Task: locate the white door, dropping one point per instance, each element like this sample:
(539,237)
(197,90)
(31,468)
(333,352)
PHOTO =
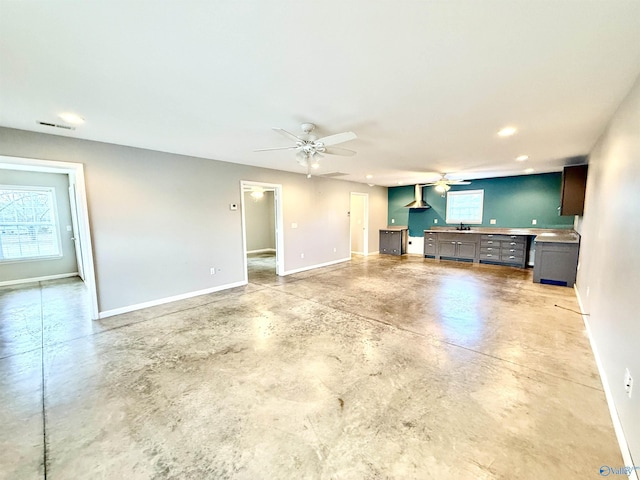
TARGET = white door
(359,223)
(74,224)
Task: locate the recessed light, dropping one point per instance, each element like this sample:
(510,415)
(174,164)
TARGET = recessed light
(71,118)
(529,170)
(507,131)
(522,158)
(369,176)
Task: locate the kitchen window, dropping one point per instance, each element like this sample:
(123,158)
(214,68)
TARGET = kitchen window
(465,206)
(28,223)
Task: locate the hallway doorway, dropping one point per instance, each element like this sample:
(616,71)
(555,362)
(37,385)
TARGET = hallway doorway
(262,232)
(79,227)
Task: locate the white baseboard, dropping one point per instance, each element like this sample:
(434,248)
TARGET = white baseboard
(617,426)
(364,254)
(161,301)
(38,279)
(320,265)
(262,250)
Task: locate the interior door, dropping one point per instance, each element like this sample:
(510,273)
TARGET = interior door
(359,223)
(74,224)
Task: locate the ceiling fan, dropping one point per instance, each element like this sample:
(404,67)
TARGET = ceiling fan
(309,148)
(443,184)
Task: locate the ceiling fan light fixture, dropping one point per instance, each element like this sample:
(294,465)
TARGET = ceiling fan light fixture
(315,165)
(442,188)
(522,158)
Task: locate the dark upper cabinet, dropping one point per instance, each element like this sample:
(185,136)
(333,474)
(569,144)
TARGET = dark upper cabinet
(574,184)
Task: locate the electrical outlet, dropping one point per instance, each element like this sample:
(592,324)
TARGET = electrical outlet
(393,220)
(628,382)
(294,225)
(534,222)
(302,255)
(492,221)
(335,249)
(435,220)
(212,270)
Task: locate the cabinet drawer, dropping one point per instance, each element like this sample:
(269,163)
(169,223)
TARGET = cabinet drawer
(495,256)
(511,258)
(490,243)
(494,237)
(492,249)
(429,248)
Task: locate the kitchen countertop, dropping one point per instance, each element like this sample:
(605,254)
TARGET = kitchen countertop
(550,232)
(566,237)
(396,228)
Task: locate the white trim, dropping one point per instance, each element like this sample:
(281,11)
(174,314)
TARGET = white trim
(364,254)
(320,265)
(617,426)
(38,279)
(262,250)
(75,171)
(162,301)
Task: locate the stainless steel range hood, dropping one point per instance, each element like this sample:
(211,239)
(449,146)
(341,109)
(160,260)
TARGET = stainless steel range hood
(418,203)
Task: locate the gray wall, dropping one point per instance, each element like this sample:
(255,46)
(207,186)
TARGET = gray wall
(260,222)
(66,264)
(609,273)
(160,221)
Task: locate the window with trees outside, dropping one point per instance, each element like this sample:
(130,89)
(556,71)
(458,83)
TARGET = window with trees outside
(28,228)
(465,206)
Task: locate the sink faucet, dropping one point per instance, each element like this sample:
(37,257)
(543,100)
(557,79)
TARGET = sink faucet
(463,227)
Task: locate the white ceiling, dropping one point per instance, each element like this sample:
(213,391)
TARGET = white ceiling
(424,84)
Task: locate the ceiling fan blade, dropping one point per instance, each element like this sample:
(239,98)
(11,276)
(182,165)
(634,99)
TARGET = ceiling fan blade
(337,138)
(458,182)
(339,151)
(289,135)
(275,148)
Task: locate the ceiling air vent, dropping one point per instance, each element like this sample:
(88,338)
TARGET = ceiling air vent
(56,125)
(333,174)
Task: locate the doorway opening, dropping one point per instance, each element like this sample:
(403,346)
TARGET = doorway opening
(80,231)
(262,232)
(359,223)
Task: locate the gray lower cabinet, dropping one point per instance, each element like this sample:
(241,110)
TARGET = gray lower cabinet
(504,249)
(393,242)
(462,246)
(430,244)
(556,263)
(489,248)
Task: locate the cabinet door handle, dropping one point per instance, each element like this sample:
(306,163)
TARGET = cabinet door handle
(511,256)
(513,236)
(513,243)
(512,250)
(490,242)
(453,243)
(459,243)
(489,255)
(489,248)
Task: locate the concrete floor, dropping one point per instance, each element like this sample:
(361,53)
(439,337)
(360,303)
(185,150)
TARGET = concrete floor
(382,367)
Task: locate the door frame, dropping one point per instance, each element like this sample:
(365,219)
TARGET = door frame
(75,172)
(365,229)
(279,224)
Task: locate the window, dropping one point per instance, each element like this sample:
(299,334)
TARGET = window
(28,223)
(465,206)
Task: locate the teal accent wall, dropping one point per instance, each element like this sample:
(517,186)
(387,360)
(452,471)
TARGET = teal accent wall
(512,201)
